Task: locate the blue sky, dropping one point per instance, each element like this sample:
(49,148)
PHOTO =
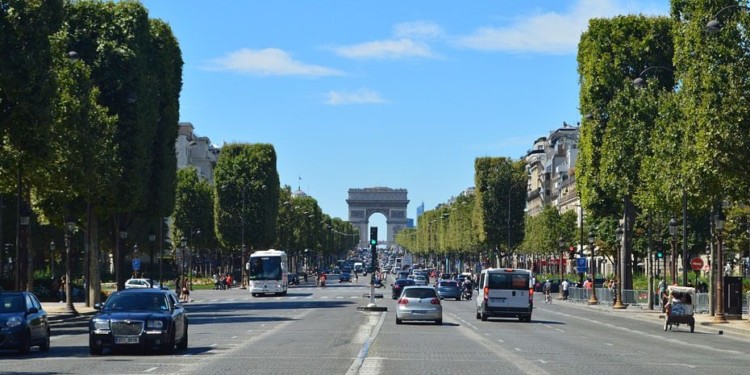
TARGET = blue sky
(402,94)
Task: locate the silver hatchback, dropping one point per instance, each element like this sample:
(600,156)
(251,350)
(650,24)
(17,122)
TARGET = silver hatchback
(419,303)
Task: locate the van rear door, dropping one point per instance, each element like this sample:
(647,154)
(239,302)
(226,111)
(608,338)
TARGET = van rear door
(508,289)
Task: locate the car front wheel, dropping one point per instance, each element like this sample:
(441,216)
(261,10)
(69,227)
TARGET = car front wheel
(184,343)
(44,346)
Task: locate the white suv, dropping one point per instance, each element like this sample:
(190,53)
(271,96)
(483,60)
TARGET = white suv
(141,283)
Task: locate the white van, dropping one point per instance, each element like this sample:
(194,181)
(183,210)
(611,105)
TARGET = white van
(505,292)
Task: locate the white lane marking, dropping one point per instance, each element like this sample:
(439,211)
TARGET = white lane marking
(362,355)
(214,345)
(249,330)
(234,337)
(187,355)
(559,330)
(608,344)
(500,340)
(542,361)
(517,349)
(151,369)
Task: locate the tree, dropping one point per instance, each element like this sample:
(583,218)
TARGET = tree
(247,190)
(500,202)
(613,52)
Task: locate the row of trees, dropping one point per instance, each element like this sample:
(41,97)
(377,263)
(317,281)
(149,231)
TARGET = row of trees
(246,207)
(89,104)
(644,152)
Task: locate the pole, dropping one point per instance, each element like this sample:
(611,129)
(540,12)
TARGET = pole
(719,317)
(673,269)
(650,276)
(685,261)
(580,226)
(161,253)
(243,249)
(69,308)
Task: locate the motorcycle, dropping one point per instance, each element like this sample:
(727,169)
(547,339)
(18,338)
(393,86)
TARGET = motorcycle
(466,295)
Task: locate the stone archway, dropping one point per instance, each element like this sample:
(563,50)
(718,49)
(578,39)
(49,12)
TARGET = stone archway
(363,203)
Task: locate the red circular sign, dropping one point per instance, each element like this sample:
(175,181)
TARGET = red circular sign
(696,264)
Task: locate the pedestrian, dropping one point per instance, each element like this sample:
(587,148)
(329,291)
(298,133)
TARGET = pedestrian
(178,287)
(56,289)
(185,292)
(229,281)
(565,285)
(547,290)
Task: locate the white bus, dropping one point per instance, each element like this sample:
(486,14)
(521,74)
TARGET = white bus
(267,273)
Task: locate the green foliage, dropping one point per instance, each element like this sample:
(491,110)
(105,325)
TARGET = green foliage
(247,192)
(500,201)
(193,208)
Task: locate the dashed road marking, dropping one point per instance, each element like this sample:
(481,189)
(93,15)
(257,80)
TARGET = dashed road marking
(150,369)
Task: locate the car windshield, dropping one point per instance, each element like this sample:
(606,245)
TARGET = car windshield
(420,293)
(11,304)
(137,301)
(448,284)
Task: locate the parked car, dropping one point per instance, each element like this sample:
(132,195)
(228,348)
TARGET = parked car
(419,303)
(23,322)
(141,283)
(448,289)
(143,318)
(398,286)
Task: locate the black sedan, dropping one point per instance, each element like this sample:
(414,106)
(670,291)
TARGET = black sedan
(139,318)
(23,322)
(398,286)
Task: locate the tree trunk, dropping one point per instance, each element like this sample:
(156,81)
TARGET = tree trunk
(626,268)
(95,280)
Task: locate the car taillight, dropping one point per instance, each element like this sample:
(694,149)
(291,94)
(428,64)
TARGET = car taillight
(531,294)
(486,293)
(397,287)
(403,301)
(435,301)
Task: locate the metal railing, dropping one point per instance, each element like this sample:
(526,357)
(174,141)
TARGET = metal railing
(640,298)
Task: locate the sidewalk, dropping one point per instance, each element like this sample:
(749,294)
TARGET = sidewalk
(57,311)
(703,322)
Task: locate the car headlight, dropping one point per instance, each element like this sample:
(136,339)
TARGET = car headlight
(101,324)
(13,322)
(155,324)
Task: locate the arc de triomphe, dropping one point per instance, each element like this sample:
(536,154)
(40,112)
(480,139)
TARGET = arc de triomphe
(363,203)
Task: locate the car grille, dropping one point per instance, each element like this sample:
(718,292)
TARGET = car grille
(127,328)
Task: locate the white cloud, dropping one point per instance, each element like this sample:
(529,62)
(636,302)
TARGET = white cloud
(550,32)
(362,96)
(417,30)
(408,42)
(268,62)
(386,49)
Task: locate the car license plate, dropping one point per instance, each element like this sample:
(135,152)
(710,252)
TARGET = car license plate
(497,300)
(127,340)
(419,312)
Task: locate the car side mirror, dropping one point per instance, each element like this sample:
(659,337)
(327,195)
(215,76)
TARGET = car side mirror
(33,310)
(97,306)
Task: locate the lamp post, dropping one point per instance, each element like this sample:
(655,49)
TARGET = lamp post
(23,221)
(135,256)
(52,258)
(592,300)
(618,282)
(118,260)
(673,233)
(152,239)
(561,244)
(719,226)
(183,246)
(70,225)
(714,26)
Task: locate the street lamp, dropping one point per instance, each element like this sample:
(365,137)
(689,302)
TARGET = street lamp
(714,26)
(183,245)
(592,300)
(618,280)
(673,233)
(135,256)
(70,225)
(152,239)
(52,257)
(719,219)
(561,243)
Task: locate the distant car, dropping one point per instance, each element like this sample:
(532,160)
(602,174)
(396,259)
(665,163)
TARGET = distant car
(419,303)
(398,286)
(420,280)
(292,279)
(144,318)
(345,277)
(140,283)
(23,322)
(448,289)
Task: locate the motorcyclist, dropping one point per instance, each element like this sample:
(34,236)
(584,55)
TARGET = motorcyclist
(467,288)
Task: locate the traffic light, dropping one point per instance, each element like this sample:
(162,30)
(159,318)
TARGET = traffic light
(373,236)
(659,253)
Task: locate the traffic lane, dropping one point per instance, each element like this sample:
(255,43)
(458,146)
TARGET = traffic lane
(572,339)
(450,348)
(316,341)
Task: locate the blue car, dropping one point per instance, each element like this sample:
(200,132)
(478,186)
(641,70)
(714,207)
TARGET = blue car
(23,322)
(345,277)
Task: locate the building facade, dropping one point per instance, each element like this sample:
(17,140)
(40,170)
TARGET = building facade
(196,151)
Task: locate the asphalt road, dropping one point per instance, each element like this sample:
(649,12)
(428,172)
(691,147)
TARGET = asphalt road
(320,331)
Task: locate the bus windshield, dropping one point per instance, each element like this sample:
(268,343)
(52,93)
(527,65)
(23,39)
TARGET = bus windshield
(265,268)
